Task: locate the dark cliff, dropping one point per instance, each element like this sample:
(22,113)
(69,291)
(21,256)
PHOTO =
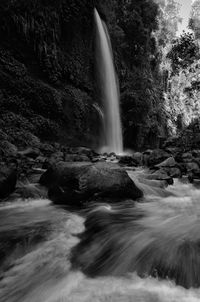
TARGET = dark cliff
(47,74)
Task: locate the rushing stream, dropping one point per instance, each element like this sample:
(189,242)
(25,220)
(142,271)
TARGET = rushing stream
(139,236)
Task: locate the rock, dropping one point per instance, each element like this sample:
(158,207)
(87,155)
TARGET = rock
(187,157)
(83,151)
(156,157)
(173,150)
(47,149)
(169,162)
(182,167)
(8,179)
(34,175)
(159,175)
(127,160)
(193,167)
(193,171)
(31,191)
(170,142)
(8,149)
(112,154)
(40,159)
(196,153)
(74,183)
(30,152)
(138,157)
(174,172)
(148,152)
(54,159)
(97,159)
(76,158)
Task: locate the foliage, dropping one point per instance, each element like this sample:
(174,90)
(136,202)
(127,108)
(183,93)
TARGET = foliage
(182,100)
(168,18)
(47,68)
(184,52)
(194,22)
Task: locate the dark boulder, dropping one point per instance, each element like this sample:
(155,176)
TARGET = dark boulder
(30,152)
(74,183)
(8,179)
(160,175)
(76,158)
(31,191)
(156,157)
(168,163)
(128,161)
(82,151)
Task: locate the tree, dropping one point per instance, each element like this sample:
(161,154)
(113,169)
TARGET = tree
(184,52)
(194,22)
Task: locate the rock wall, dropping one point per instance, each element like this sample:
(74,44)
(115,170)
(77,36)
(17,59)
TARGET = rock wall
(47,74)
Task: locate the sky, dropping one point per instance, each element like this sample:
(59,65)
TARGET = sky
(185,14)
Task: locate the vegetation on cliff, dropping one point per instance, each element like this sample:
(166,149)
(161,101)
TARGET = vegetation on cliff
(48,78)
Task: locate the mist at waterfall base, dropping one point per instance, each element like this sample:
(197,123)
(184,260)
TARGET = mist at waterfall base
(109,90)
(140,252)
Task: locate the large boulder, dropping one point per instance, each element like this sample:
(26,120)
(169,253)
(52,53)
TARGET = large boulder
(74,183)
(156,157)
(30,152)
(168,163)
(8,179)
(160,175)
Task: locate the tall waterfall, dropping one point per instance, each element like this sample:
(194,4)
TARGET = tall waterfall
(108,83)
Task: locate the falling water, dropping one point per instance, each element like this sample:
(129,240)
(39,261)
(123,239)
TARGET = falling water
(109,89)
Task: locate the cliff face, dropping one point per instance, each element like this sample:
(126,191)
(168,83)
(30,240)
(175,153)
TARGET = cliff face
(47,79)
(46,70)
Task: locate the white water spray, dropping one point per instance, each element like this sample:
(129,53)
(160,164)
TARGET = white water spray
(108,81)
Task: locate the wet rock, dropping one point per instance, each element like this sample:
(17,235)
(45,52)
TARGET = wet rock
(54,159)
(174,172)
(156,157)
(76,158)
(8,179)
(82,151)
(31,191)
(138,157)
(30,152)
(192,167)
(160,175)
(196,153)
(128,161)
(47,149)
(187,157)
(7,149)
(74,183)
(169,162)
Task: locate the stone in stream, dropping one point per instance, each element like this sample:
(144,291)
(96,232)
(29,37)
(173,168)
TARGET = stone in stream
(128,160)
(169,162)
(8,179)
(32,191)
(155,157)
(30,152)
(74,183)
(159,175)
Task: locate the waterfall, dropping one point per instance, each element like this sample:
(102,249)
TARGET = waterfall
(108,84)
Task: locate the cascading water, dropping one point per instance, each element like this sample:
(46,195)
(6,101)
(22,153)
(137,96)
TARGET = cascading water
(108,82)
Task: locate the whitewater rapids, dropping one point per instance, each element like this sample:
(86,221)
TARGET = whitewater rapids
(40,269)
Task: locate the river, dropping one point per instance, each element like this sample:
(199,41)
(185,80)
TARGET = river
(38,240)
